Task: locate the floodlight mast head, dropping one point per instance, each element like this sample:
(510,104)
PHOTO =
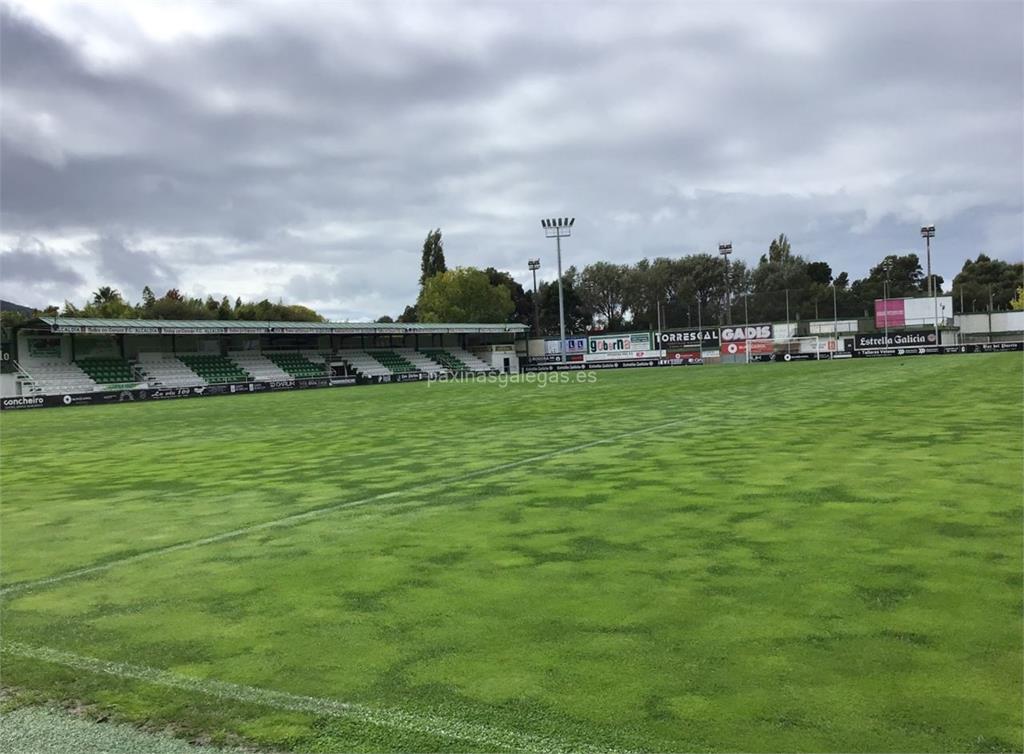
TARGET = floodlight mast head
(927,231)
(558,227)
(534,264)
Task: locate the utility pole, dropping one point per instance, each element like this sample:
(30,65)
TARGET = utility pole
(835,320)
(534,266)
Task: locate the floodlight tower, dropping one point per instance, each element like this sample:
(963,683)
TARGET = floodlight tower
(534,266)
(559,228)
(928,233)
(725,249)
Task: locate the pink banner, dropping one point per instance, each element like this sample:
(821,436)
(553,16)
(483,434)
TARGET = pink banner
(889,312)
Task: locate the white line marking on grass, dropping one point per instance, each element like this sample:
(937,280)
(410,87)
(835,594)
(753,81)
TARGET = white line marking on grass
(414,722)
(297,518)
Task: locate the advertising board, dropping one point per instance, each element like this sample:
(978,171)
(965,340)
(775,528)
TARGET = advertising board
(740,333)
(617,347)
(862,341)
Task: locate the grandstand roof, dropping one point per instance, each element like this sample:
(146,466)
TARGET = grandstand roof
(232,327)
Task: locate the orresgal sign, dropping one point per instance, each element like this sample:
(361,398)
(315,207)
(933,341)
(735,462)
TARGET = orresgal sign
(673,339)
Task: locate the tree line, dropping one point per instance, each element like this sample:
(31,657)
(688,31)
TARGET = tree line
(697,289)
(109,303)
(685,291)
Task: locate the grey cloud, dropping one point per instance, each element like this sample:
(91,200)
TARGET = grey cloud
(133,269)
(339,135)
(34,274)
(33,267)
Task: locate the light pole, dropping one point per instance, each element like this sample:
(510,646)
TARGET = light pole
(559,228)
(928,233)
(725,249)
(746,325)
(887,265)
(534,266)
(835,321)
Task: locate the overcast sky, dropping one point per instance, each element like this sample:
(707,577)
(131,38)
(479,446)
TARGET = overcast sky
(304,151)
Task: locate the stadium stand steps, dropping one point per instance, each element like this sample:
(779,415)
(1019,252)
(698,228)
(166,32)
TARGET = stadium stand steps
(297,365)
(214,368)
(447,360)
(395,363)
(52,377)
(107,371)
(165,370)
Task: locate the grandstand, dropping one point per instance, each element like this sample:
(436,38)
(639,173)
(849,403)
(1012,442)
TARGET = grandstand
(60,356)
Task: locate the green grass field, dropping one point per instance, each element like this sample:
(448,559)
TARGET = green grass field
(804,557)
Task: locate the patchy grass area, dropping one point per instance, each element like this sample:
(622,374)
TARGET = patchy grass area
(805,557)
(42,730)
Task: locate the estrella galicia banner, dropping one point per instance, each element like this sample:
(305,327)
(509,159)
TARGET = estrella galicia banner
(747,332)
(864,341)
(684,340)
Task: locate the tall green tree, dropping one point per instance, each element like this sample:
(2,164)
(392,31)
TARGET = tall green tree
(521,299)
(984,279)
(107,303)
(464,294)
(432,262)
(603,289)
(578,318)
(782,284)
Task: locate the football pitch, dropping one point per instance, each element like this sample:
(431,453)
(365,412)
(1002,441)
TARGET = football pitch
(780,557)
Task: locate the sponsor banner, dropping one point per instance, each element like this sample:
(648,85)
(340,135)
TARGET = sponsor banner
(747,332)
(381,379)
(930,350)
(755,347)
(672,340)
(890,312)
(572,346)
(43,346)
(992,347)
(621,364)
(864,341)
(624,346)
(24,401)
(165,393)
(676,355)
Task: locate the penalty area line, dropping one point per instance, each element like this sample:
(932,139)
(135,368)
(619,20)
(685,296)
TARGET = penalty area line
(414,722)
(309,515)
